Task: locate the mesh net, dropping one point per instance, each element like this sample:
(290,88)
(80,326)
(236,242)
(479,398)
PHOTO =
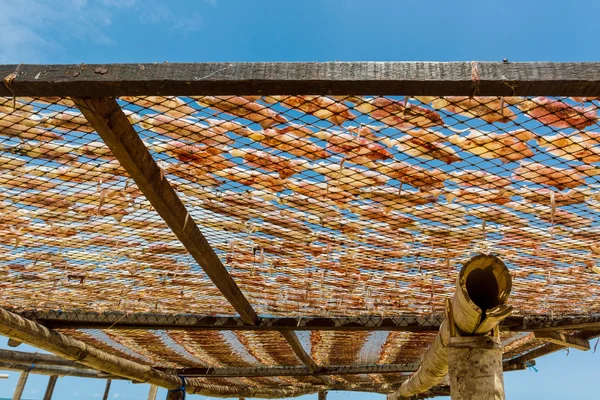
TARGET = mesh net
(317,206)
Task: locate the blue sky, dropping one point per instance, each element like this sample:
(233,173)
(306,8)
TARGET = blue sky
(98,31)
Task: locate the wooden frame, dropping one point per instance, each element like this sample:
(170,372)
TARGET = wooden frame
(104,82)
(339,78)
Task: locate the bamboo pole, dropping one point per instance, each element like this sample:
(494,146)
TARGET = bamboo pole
(34,334)
(478,306)
(20,385)
(56,370)
(50,388)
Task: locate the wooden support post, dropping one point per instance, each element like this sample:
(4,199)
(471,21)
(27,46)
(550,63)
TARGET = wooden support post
(152,392)
(107,389)
(13,343)
(20,385)
(475,368)
(323,395)
(50,388)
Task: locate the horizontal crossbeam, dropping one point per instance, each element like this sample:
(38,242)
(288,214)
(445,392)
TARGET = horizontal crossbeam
(338,78)
(298,371)
(564,340)
(407,323)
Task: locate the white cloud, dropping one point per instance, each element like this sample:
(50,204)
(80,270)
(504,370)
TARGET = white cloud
(25,24)
(211,2)
(154,12)
(116,395)
(35,31)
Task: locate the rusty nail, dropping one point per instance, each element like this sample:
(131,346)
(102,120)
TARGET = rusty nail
(76,73)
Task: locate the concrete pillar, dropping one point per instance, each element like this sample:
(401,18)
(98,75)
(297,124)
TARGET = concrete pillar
(50,387)
(475,368)
(152,392)
(20,385)
(107,389)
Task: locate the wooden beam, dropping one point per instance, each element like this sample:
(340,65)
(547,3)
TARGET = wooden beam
(403,323)
(298,371)
(153,321)
(50,387)
(298,349)
(56,370)
(551,323)
(114,128)
(20,385)
(339,78)
(107,389)
(507,366)
(564,340)
(34,334)
(550,348)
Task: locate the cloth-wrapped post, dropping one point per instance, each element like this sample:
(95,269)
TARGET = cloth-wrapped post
(482,288)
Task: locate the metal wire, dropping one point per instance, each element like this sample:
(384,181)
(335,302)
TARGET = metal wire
(317,206)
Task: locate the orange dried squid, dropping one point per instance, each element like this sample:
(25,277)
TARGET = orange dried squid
(489,109)
(506,147)
(285,167)
(560,178)
(559,114)
(168,105)
(320,106)
(244,108)
(396,113)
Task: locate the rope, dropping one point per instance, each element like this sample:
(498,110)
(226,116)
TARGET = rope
(530,365)
(181,388)
(30,368)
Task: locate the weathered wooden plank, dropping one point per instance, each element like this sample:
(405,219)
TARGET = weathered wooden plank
(407,323)
(382,78)
(50,387)
(298,371)
(118,320)
(565,340)
(550,348)
(112,125)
